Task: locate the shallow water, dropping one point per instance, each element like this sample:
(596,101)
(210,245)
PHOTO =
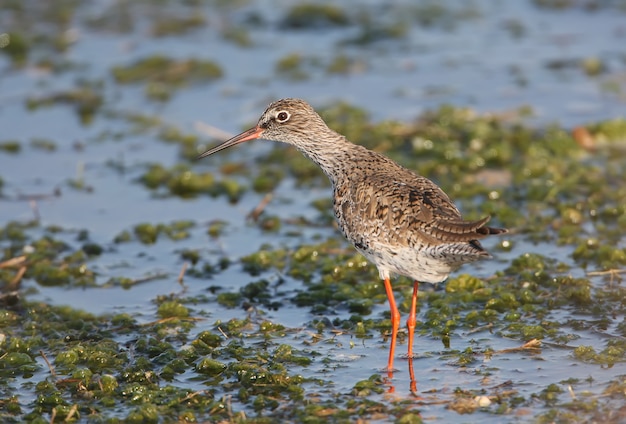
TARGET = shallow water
(492,56)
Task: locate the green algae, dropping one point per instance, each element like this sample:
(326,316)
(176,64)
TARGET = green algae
(229,300)
(16,46)
(239,36)
(537,181)
(148,233)
(172,309)
(175,25)
(167,71)
(292,67)
(371,32)
(86,100)
(163,75)
(101,375)
(314,16)
(343,64)
(531,287)
(182,182)
(10,146)
(263,260)
(515,303)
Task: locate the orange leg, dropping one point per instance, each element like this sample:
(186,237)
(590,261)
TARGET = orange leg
(395,322)
(413,383)
(410,322)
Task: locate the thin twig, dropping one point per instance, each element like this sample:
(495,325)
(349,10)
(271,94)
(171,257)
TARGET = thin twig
(433,402)
(222,331)
(181,275)
(229,407)
(71,413)
(35,208)
(150,278)
(258,210)
(13,262)
(146,279)
(212,131)
(50,367)
(607,272)
(164,320)
(571,392)
(18,277)
(45,196)
(191,396)
(479,329)
(533,345)
(614,273)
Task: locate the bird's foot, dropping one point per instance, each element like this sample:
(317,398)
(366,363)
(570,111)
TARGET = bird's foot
(412,356)
(388,370)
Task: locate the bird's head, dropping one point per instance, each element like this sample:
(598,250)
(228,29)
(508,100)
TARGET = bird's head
(291,121)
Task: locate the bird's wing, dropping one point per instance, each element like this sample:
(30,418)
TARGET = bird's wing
(404,209)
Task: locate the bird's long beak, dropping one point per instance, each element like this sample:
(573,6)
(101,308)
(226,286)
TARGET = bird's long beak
(251,134)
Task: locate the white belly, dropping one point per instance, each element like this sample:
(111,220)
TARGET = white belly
(431,264)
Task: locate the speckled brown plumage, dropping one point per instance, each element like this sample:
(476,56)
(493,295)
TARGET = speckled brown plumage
(402,222)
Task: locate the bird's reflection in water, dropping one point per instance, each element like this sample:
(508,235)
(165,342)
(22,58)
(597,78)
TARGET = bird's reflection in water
(391,388)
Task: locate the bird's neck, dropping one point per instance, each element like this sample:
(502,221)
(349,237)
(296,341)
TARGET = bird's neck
(333,154)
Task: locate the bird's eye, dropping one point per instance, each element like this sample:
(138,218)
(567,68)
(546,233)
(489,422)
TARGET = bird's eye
(282,116)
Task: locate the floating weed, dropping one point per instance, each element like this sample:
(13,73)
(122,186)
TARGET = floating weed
(270,223)
(17,363)
(178,230)
(229,300)
(16,46)
(292,66)
(209,339)
(100,370)
(613,353)
(49,274)
(192,256)
(372,32)
(527,289)
(343,65)
(605,256)
(147,233)
(92,249)
(435,14)
(210,367)
(181,181)
(216,228)
(206,271)
(256,291)
(172,309)
(172,25)
(10,146)
(366,387)
(610,131)
(166,70)
(86,100)
(550,394)
(267,179)
(16,231)
(123,237)
(238,35)
(314,16)
(112,368)
(263,260)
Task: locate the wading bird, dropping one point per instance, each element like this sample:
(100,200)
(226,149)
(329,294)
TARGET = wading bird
(402,222)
